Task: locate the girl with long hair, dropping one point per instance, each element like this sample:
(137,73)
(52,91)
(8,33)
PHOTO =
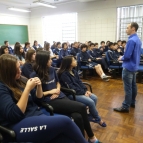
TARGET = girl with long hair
(69,78)
(57,99)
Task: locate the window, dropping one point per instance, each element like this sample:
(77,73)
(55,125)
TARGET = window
(61,28)
(127,15)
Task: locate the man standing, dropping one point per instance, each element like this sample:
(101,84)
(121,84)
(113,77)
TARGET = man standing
(131,60)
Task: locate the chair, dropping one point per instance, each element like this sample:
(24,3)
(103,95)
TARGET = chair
(114,67)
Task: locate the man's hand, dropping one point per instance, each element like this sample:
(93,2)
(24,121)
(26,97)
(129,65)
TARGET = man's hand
(119,59)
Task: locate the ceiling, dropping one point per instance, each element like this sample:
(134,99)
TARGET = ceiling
(30,4)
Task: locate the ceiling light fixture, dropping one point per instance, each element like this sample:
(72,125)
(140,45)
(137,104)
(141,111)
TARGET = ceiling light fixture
(17,9)
(45,4)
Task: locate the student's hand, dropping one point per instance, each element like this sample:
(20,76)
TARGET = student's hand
(54,96)
(88,92)
(30,84)
(89,60)
(119,50)
(37,81)
(119,59)
(57,57)
(56,91)
(98,58)
(101,49)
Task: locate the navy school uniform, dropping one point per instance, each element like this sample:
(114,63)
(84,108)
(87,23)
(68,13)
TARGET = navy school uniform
(74,51)
(56,51)
(27,69)
(36,47)
(84,56)
(101,61)
(105,49)
(10,50)
(113,57)
(10,112)
(63,53)
(73,82)
(50,84)
(98,53)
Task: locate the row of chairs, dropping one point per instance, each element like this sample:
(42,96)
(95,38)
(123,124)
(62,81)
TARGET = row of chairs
(116,69)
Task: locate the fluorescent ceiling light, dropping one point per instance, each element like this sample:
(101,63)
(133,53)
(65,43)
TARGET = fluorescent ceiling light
(45,4)
(17,9)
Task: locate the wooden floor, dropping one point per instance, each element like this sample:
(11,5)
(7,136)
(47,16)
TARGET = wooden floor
(121,127)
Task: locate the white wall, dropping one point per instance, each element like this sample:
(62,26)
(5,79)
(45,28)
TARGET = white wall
(96,20)
(15,18)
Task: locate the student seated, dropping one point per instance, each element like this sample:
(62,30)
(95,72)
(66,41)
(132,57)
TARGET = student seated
(57,99)
(64,51)
(123,46)
(6,43)
(112,55)
(27,68)
(117,50)
(20,54)
(53,46)
(99,60)
(4,50)
(85,57)
(119,42)
(69,78)
(36,45)
(47,48)
(56,51)
(27,47)
(19,112)
(75,49)
(103,48)
(97,51)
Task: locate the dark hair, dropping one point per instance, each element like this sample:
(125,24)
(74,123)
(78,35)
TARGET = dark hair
(63,44)
(96,44)
(26,43)
(110,44)
(5,42)
(107,41)
(83,46)
(18,53)
(17,43)
(115,43)
(58,43)
(65,64)
(41,68)
(102,42)
(8,71)
(34,43)
(119,41)
(47,46)
(72,45)
(135,25)
(92,44)
(29,55)
(39,49)
(2,49)
(124,42)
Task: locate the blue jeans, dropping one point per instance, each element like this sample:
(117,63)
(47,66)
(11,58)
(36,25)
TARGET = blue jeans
(90,102)
(130,88)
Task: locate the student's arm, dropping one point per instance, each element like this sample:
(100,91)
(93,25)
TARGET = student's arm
(129,50)
(22,103)
(27,69)
(68,83)
(110,55)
